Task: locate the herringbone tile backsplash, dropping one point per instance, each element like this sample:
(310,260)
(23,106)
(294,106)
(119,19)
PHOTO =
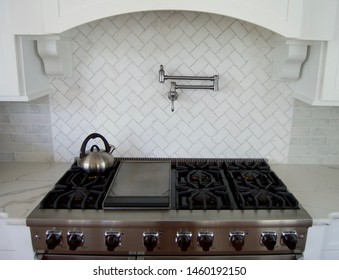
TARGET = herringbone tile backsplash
(115,89)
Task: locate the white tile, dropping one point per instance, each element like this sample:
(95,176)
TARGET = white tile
(324,131)
(97,79)
(122,49)
(134,107)
(239,29)
(308,141)
(109,27)
(200,20)
(34,157)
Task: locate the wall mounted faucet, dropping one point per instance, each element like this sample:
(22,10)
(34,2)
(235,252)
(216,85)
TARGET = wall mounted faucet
(173,95)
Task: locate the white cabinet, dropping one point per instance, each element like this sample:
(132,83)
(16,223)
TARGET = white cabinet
(330,245)
(323,240)
(15,242)
(21,70)
(314,242)
(303,19)
(319,80)
(8,74)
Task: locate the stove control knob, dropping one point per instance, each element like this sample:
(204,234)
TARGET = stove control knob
(53,239)
(268,239)
(150,240)
(205,240)
(290,239)
(112,239)
(75,239)
(237,239)
(184,239)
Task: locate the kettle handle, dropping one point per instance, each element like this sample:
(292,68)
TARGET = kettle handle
(93,136)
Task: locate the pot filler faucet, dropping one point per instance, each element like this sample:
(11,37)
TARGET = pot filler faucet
(173,95)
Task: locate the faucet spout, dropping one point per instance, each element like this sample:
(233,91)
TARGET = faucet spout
(172,95)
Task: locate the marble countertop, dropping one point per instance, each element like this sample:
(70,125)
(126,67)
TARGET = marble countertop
(315,186)
(23,185)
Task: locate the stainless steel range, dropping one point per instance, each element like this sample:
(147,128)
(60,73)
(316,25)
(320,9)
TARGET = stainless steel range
(170,208)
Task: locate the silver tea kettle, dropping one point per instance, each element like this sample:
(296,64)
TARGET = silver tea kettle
(95,160)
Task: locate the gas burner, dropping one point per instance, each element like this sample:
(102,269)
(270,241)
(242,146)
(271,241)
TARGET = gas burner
(78,189)
(205,198)
(202,186)
(261,190)
(200,179)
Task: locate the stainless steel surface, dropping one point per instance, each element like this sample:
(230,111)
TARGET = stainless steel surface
(46,256)
(238,218)
(141,179)
(224,257)
(133,224)
(162,257)
(211,87)
(163,77)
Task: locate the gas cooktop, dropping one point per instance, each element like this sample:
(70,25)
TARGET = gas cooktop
(205,184)
(170,208)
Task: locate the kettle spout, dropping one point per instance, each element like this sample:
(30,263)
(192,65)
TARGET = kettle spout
(111,148)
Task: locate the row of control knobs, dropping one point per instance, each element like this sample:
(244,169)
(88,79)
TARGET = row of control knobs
(76,239)
(183,239)
(237,240)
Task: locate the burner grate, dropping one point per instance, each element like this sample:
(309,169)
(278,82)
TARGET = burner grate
(260,189)
(230,184)
(202,185)
(78,189)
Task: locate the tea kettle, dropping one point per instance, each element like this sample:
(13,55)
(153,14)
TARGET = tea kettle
(95,160)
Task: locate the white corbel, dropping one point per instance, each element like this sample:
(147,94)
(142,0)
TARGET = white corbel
(288,58)
(56,54)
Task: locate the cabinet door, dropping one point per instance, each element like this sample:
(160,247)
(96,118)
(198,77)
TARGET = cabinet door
(314,242)
(15,243)
(331,237)
(8,74)
(319,81)
(331,74)
(330,243)
(22,77)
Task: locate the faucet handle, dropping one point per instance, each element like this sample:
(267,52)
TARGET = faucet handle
(172,106)
(162,74)
(173,95)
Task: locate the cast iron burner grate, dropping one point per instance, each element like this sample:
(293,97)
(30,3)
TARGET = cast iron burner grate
(202,185)
(78,189)
(260,189)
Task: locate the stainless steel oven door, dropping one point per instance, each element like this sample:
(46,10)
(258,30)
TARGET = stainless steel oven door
(83,257)
(224,257)
(47,256)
